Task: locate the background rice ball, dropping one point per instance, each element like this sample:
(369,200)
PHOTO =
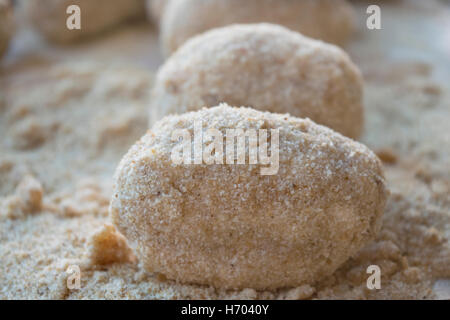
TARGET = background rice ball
(50,16)
(6,24)
(155,9)
(328,20)
(228,226)
(266,67)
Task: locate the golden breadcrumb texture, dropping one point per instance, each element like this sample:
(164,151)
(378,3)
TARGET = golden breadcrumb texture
(231,227)
(327,20)
(156,9)
(50,16)
(65,128)
(6,24)
(266,67)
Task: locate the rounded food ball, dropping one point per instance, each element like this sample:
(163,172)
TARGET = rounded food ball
(6,24)
(50,17)
(328,20)
(266,67)
(155,9)
(228,226)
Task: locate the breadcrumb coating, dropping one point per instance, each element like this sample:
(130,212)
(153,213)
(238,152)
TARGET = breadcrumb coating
(230,227)
(6,24)
(266,67)
(49,17)
(327,20)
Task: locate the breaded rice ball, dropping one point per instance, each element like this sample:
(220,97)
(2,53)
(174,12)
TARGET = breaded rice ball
(229,226)
(155,9)
(50,16)
(266,67)
(6,24)
(328,20)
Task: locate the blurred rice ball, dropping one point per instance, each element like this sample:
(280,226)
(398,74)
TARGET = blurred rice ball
(50,16)
(155,10)
(328,20)
(6,24)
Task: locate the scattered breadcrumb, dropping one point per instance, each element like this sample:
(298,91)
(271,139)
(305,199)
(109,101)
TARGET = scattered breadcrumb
(109,246)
